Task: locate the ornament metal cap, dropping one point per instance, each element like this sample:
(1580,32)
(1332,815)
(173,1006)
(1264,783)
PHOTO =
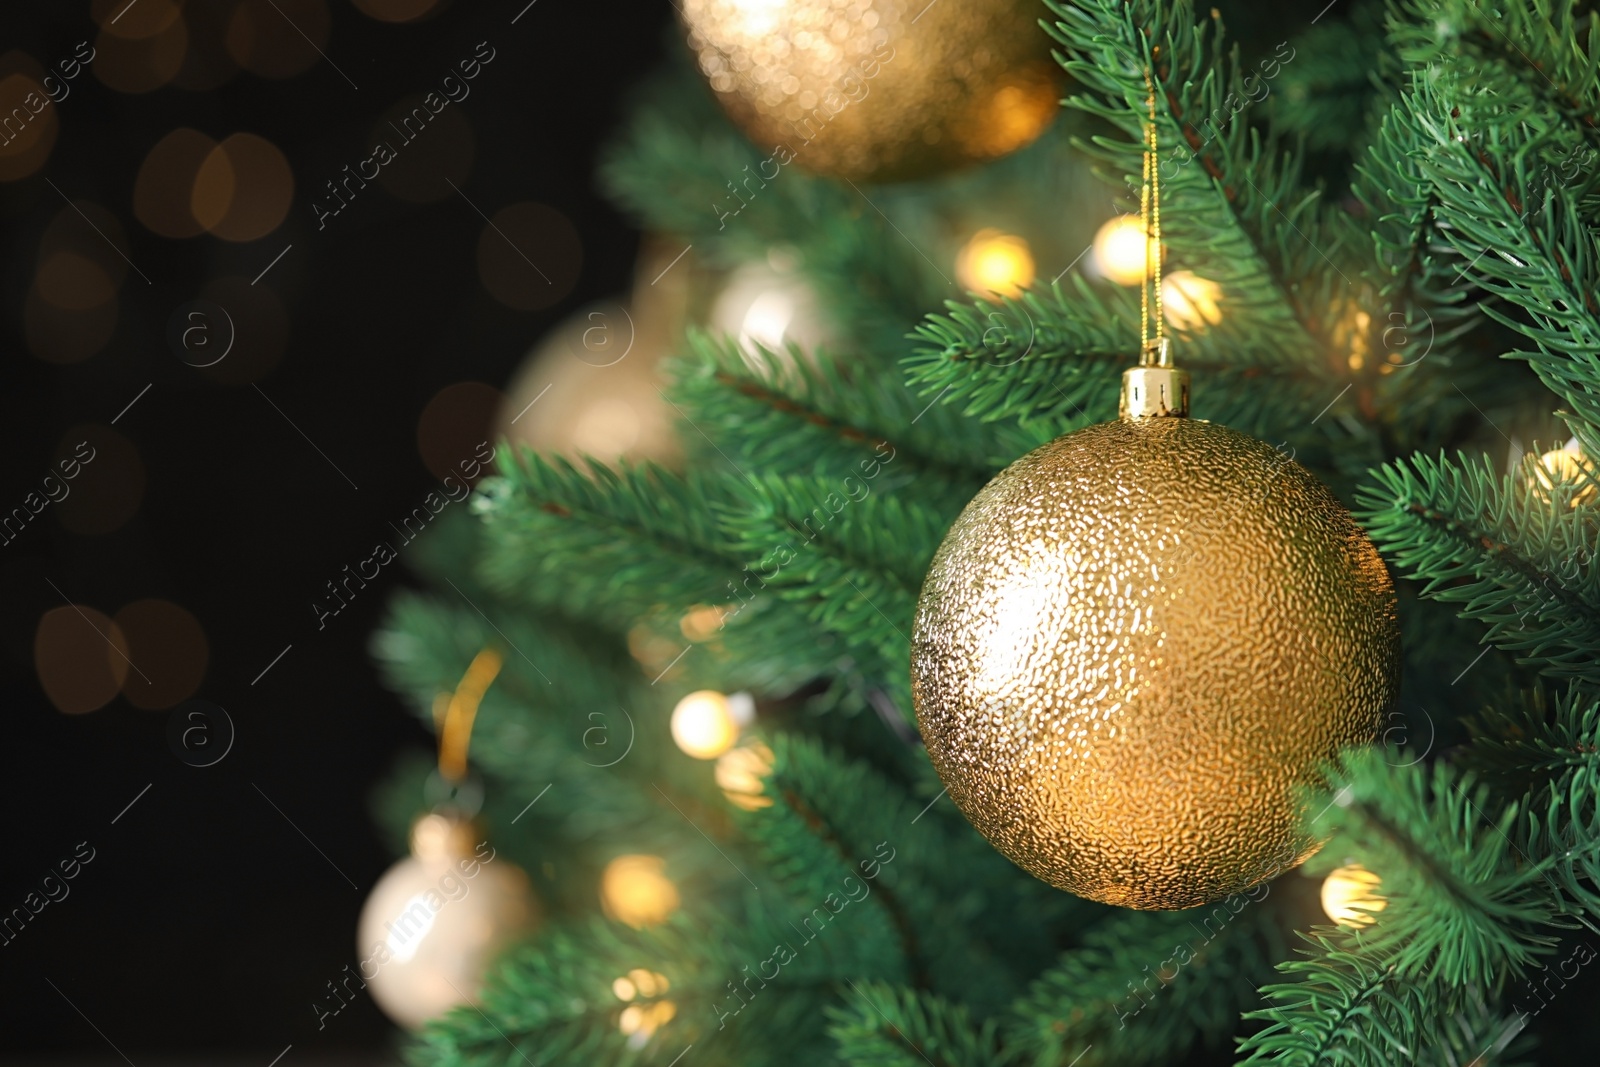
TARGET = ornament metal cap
(1155,388)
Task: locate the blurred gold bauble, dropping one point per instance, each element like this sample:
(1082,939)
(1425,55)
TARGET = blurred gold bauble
(1133,645)
(1351,896)
(876,90)
(436,920)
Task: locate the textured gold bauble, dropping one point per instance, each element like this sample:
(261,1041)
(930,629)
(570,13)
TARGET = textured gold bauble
(876,90)
(1135,643)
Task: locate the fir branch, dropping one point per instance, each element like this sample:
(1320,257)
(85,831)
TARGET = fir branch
(790,413)
(1192,970)
(1053,361)
(884,1026)
(1518,563)
(834,820)
(1524,239)
(1237,214)
(1349,1008)
(1465,904)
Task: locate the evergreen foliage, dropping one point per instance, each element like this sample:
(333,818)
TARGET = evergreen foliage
(1401,207)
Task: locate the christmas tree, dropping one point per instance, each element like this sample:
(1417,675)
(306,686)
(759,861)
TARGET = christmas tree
(1398,210)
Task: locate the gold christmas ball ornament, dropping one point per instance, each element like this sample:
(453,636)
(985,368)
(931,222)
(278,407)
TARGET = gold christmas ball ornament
(875,90)
(1137,641)
(436,920)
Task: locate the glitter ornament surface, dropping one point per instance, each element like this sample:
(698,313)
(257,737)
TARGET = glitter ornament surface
(1131,647)
(876,90)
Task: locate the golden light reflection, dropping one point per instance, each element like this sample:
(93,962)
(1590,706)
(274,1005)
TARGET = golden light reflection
(742,773)
(164,190)
(995,262)
(1190,301)
(243,188)
(1350,896)
(1119,250)
(1564,474)
(81,658)
(28,123)
(705,723)
(635,890)
(170,647)
(277,38)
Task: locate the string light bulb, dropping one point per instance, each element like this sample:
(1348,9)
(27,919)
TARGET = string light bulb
(995,262)
(1350,896)
(1190,300)
(1119,250)
(640,1021)
(706,723)
(1569,469)
(635,890)
(741,774)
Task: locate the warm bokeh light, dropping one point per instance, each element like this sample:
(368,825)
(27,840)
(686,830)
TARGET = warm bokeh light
(705,724)
(1565,474)
(1190,301)
(701,623)
(529,256)
(395,10)
(1350,896)
(455,426)
(24,146)
(641,1021)
(1017,113)
(655,653)
(164,191)
(242,189)
(1119,250)
(424,168)
(995,262)
(171,650)
(635,890)
(140,64)
(277,38)
(134,21)
(110,486)
(742,773)
(72,282)
(88,230)
(81,656)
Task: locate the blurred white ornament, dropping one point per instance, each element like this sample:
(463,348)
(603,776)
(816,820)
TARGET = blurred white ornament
(591,388)
(772,305)
(705,724)
(436,920)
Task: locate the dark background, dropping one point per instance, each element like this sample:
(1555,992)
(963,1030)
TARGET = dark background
(206,922)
